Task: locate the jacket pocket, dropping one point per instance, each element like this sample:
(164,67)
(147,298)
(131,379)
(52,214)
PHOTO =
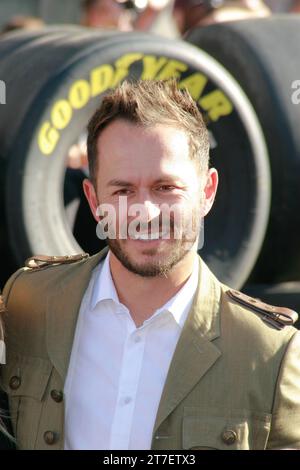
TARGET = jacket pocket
(239,430)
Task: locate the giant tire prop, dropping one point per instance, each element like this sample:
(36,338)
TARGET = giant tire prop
(264,56)
(56,81)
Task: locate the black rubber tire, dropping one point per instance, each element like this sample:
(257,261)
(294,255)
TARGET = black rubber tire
(34,197)
(19,38)
(16,50)
(264,55)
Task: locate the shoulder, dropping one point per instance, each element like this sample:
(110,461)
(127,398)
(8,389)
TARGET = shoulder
(256,324)
(27,296)
(26,291)
(277,316)
(39,271)
(244,319)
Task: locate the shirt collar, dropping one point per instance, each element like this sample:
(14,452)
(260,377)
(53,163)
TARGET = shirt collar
(104,289)
(179,305)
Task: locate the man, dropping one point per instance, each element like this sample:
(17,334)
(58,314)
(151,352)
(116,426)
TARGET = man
(191,13)
(295,8)
(105,14)
(22,22)
(140,346)
(281,6)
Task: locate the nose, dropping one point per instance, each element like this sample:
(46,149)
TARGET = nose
(151,211)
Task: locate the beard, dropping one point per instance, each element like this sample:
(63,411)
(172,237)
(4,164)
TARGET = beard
(163,260)
(151,268)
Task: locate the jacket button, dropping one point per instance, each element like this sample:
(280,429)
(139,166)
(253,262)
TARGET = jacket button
(50,437)
(229,437)
(15,382)
(57,395)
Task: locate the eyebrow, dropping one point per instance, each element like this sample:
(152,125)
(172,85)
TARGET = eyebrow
(119,183)
(126,184)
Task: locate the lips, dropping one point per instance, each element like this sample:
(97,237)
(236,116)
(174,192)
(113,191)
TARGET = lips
(149,236)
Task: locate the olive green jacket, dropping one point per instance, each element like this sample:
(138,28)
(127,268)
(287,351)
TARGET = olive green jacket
(233,383)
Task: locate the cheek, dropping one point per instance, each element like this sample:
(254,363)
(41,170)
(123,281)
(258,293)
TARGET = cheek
(191,199)
(194,210)
(118,211)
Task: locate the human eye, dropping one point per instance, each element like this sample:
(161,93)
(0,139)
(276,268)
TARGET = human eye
(166,187)
(122,192)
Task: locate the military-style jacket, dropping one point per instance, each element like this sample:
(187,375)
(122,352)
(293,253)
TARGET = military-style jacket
(233,383)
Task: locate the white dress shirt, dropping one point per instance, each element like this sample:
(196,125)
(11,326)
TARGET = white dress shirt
(117,371)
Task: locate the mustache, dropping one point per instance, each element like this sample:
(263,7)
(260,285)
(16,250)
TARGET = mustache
(157,224)
(167,225)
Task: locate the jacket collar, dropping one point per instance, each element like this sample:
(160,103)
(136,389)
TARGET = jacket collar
(63,308)
(195,353)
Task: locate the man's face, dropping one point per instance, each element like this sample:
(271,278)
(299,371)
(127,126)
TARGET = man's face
(105,14)
(188,14)
(150,168)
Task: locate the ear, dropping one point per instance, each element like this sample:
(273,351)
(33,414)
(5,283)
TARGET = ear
(91,196)
(210,190)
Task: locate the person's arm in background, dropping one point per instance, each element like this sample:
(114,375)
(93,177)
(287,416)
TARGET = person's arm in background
(296,7)
(147,17)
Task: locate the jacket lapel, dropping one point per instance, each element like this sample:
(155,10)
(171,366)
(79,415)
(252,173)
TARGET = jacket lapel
(62,311)
(194,354)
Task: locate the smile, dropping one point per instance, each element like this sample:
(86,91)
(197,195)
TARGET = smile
(148,236)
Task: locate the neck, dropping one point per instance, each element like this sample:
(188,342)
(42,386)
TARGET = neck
(143,295)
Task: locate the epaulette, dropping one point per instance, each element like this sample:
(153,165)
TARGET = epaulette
(40,261)
(279,317)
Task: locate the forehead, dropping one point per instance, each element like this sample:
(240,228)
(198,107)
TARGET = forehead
(126,147)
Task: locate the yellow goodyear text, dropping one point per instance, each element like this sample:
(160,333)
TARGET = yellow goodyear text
(215,104)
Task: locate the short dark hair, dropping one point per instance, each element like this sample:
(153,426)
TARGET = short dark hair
(148,103)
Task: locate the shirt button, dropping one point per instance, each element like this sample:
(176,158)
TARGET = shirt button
(127,400)
(229,437)
(137,339)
